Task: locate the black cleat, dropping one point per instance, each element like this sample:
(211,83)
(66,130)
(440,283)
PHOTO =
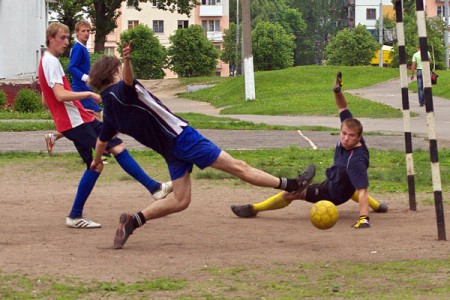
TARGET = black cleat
(305,178)
(243,211)
(383,208)
(124,230)
(337,83)
(362,223)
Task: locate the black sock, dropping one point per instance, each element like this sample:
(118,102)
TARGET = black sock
(288,185)
(138,220)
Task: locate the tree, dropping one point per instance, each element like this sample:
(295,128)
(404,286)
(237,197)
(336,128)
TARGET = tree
(104,13)
(149,56)
(232,52)
(435,36)
(69,12)
(191,54)
(324,18)
(273,48)
(354,47)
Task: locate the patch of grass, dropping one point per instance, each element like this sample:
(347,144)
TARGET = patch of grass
(302,90)
(441,89)
(10,115)
(387,171)
(417,279)
(26,126)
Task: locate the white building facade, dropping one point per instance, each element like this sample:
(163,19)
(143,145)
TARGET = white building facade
(23,25)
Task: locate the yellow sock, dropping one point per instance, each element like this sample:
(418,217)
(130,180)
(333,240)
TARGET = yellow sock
(374,204)
(274,202)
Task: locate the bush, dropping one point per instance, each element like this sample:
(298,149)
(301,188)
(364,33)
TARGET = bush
(2,99)
(27,101)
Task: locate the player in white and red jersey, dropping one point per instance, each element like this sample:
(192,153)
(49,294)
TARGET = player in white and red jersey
(81,127)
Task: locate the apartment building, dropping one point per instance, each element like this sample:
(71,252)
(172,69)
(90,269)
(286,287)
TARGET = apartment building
(212,15)
(23,24)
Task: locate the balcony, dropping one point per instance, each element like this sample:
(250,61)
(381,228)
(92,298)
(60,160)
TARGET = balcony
(211,10)
(214,36)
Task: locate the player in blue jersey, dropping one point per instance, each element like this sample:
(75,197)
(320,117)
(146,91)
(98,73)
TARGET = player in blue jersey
(346,179)
(131,109)
(80,65)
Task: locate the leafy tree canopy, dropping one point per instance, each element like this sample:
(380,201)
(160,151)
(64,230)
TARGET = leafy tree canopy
(148,55)
(191,54)
(354,47)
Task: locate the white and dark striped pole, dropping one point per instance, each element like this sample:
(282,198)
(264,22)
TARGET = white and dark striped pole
(434,155)
(405,105)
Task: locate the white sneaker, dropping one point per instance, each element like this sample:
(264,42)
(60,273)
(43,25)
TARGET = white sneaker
(81,223)
(50,140)
(166,189)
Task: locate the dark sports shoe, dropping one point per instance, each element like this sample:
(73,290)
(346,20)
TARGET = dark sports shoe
(383,208)
(363,222)
(124,230)
(337,83)
(305,178)
(244,211)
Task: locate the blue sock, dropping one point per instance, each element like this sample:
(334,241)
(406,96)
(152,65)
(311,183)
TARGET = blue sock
(85,187)
(127,162)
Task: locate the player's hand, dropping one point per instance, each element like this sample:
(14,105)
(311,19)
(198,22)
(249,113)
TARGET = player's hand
(97,98)
(97,166)
(126,50)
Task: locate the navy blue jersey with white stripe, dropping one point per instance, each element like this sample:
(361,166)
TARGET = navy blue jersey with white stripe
(349,170)
(134,111)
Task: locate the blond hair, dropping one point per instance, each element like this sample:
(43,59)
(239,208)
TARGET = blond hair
(53,30)
(82,23)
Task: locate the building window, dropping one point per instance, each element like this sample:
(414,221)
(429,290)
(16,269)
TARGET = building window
(211,2)
(371,14)
(183,24)
(211,25)
(132,24)
(109,51)
(154,3)
(441,11)
(158,26)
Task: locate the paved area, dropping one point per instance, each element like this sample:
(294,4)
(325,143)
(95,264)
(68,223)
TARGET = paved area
(386,92)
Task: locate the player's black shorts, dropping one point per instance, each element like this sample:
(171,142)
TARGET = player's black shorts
(84,138)
(319,191)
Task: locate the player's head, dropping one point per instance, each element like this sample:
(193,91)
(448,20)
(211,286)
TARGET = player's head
(57,37)
(105,72)
(82,31)
(351,131)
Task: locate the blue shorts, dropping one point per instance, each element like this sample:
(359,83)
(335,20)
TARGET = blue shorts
(84,137)
(191,148)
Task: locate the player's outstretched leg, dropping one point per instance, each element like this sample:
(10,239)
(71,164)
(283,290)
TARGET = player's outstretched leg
(277,201)
(377,206)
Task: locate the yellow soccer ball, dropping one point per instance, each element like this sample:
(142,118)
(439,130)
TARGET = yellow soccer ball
(324,214)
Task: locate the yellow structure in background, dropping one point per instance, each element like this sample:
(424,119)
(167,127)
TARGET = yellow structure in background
(387,59)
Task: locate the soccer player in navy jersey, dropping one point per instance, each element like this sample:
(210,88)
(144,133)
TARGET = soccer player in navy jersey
(80,126)
(346,179)
(131,109)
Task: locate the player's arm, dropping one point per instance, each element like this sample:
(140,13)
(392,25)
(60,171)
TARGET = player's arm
(128,76)
(97,163)
(413,67)
(75,59)
(63,95)
(341,102)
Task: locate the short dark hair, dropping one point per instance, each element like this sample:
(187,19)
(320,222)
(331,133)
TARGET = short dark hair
(353,123)
(103,71)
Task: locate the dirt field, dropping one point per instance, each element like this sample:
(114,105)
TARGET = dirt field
(36,198)
(35,240)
